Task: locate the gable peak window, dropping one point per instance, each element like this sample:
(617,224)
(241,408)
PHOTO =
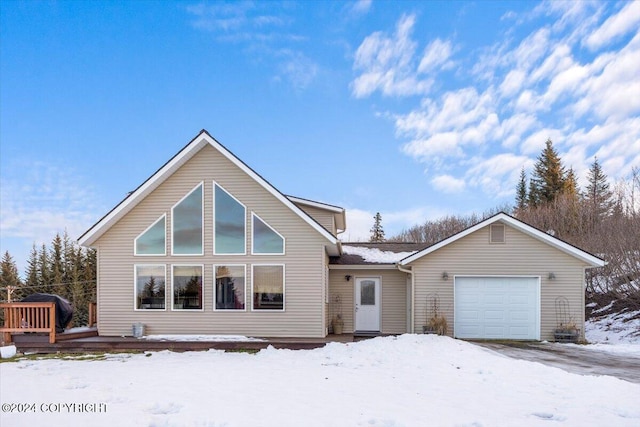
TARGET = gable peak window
(187,224)
(152,241)
(266,240)
(229,223)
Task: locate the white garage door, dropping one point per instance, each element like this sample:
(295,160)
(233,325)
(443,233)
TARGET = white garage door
(497,308)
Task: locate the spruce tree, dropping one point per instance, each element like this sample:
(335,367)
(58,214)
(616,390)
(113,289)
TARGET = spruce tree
(598,197)
(32,281)
(521,192)
(56,268)
(377,233)
(570,185)
(44,278)
(9,276)
(547,180)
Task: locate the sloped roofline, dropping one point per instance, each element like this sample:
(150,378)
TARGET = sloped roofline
(565,247)
(337,211)
(193,147)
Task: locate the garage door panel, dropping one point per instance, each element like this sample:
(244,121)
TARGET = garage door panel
(496,307)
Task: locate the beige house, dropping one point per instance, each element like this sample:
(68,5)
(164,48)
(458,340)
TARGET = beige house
(208,246)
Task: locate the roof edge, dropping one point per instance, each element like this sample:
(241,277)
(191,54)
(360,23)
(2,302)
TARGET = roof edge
(559,244)
(193,147)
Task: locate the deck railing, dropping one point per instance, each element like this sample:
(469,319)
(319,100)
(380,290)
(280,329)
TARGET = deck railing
(29,317)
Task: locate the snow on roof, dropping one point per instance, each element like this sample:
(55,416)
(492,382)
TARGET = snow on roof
(376,255)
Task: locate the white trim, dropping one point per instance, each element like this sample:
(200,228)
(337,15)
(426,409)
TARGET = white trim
(336,210)
(215,296)
(135,287)
(253,237)
(284,288)
(187,310)
(315,204)
(244,221)
(362,267)
(519,225)
(135,241)
(505,276)
(201,184)
(196,144)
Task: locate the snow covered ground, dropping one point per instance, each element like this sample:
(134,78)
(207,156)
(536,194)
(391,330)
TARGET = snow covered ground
(410,380)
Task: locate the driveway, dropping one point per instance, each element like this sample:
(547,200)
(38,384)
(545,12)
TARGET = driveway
(572,358)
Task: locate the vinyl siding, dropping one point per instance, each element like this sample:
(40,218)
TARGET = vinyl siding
(521,255)
(323,217)
(394,298)
(305,260)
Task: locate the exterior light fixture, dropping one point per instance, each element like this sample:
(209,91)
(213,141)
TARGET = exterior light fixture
(445,276)
(552,276)
(347,277)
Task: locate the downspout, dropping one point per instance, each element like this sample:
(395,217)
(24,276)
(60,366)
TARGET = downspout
(413,294)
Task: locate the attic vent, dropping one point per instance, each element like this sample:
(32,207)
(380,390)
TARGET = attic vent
(496,234)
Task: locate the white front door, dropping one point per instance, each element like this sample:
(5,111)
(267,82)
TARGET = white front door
(367,308)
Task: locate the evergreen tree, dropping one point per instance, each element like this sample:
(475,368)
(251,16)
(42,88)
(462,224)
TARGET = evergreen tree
(521,192)
(9,276)
(56,267)
(32,280)
(598,197)
(377,233)
(44,276)
(570,185)
(548,177)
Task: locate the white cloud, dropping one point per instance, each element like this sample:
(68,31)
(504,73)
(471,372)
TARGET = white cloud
(448,184)
(626,20)
(436,54)
(361,7)
(387,64)
(297,68)
(40,200)
(495,114)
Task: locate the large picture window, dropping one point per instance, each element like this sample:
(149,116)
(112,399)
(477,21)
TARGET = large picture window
(152,240)
(187,287)
(150,287)
(229,287)
(229,223)
(268,287)
(265,239)
(187,224)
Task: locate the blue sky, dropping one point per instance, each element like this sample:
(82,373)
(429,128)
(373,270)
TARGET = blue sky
(412,109)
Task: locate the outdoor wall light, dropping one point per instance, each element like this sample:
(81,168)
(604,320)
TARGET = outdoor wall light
(445,276)
(552,276)
(347,277)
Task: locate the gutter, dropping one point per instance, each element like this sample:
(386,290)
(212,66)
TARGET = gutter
(413,294)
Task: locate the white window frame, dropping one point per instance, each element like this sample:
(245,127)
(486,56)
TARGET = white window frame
(183,310)
(215,296)
(284,241)
(201,184)
(135,287)
(284,288)
(135,241)
(244,252)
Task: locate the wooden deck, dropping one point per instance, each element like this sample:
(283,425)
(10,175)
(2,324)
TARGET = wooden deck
(89,341)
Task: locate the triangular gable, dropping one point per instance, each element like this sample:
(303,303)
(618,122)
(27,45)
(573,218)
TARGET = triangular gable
(191,149)
(519,225)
